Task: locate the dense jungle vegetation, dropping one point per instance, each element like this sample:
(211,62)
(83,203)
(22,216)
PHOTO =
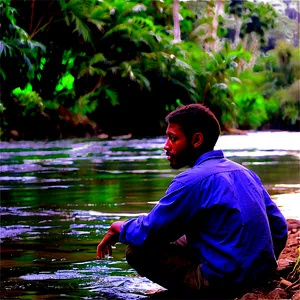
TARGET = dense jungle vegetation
(74,68)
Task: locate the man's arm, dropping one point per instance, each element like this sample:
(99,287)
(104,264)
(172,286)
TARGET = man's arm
(109,240)
(168,219)
(278,224)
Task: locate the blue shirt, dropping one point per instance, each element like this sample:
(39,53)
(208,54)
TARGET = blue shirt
(226,215)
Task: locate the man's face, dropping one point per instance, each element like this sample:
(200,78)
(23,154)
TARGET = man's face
(178,149)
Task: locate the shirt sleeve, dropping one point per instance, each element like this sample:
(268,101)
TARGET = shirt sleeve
(278,224)
(166,222)
(277,221)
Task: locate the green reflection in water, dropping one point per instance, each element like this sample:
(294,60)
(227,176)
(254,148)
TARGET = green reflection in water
(38,157)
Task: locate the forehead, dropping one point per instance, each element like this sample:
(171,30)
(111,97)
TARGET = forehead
(174,129)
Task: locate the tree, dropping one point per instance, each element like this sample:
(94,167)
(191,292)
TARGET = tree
(177,36)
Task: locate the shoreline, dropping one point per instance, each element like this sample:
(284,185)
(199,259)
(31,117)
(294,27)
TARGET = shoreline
(286,282)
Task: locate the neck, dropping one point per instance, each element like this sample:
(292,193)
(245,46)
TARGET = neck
(194,157)
(197,153)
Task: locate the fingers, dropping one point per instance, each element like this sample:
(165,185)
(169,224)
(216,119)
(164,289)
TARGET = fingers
(103,251)
(99,252)
(105,246)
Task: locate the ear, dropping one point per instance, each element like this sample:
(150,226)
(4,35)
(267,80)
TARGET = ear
(197,139)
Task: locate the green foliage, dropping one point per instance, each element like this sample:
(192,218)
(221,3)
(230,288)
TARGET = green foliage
(280,71)
(251,109)
(2,108)
(17,45)
(66,82)
(30,100)
(220,77)
(259,19)
(114,55)
(290,102)
(296,269)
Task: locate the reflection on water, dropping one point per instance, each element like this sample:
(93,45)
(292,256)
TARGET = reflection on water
(59,198)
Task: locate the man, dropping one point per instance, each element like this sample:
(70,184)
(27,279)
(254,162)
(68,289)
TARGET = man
(216,228)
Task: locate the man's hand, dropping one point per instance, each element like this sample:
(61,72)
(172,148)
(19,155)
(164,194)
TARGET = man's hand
(109,240)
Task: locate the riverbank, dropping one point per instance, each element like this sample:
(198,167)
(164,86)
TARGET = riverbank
(286,282)
(284,285)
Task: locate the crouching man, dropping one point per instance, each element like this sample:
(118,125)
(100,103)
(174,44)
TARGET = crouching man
(216,229)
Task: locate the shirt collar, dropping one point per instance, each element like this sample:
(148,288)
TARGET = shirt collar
(209,155)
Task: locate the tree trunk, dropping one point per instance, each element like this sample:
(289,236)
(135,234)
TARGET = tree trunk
(214,9)
(177,35)
(237,32)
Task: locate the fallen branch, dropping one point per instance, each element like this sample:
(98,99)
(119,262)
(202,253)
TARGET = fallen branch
(285,283)
(293,285)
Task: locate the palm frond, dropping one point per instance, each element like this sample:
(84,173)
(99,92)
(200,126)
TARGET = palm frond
(21,32)
(78,11)
(132,70)
(28,62)
(82,28)
(3,47)
(76,7)
(99,57)
(142,22)
(120,28)
(137,29)
(112,95)
(33,45)
(99,24)
(92,71)
(2,73)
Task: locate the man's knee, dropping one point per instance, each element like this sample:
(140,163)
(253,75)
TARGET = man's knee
(129,255)
(136,258)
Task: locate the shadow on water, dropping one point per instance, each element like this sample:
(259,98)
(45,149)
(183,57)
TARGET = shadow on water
(59,198)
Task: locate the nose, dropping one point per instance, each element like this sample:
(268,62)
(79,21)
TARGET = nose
(167,145)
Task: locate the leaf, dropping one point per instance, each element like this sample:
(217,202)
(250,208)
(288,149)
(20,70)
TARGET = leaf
(27,60)
(97,71)
(99,57)
(141,80)
(3,47)
(63,4)
(82,29)
(221,86)
(3,74)
(235,79)
(100,12)
(99,24)
(143,22)
(33,44)
(139,7)
(112,95)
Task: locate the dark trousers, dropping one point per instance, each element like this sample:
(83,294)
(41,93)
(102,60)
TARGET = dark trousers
(174,266)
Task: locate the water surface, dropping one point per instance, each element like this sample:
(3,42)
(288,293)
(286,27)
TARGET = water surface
(58,199)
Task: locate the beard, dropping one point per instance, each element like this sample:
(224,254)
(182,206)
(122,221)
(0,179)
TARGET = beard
(186,157)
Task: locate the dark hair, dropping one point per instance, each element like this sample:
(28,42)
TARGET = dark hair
(197,118)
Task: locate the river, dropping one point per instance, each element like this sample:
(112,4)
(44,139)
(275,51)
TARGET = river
(58,198)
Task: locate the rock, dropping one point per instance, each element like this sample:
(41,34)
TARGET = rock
(14,133)
(293,225)
(250,296)
(283,263)
(296,296)
(102,136)
(277,293)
